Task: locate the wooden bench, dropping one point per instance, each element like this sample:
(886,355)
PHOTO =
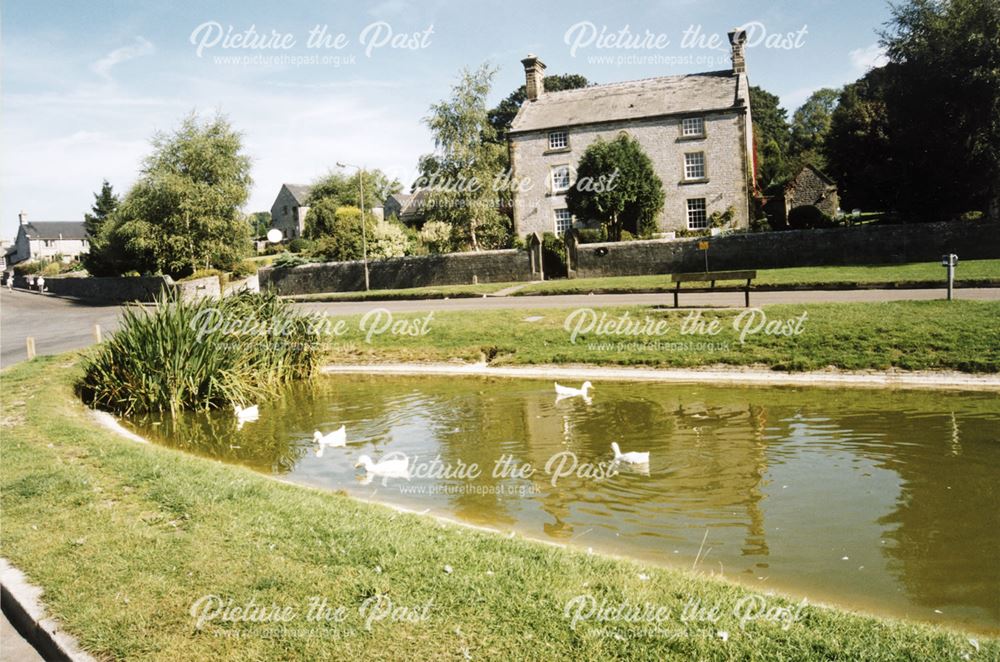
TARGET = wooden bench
(711,277)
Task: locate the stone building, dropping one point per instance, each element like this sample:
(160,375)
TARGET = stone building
(810,187)
(288,213)
(695,128)
(407,207)
(46,240)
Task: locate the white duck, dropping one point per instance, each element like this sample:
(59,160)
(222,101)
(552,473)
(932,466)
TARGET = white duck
(245,415)
(389,467)
(335,439)
(569,391)
(629,458)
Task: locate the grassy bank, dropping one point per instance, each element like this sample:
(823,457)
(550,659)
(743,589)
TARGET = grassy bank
(974,273)
(909,335)
(125,537)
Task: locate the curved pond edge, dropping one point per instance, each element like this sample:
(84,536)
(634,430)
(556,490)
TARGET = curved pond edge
(933,380)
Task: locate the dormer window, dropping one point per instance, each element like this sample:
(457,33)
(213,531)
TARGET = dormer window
(558,140)
(693,127)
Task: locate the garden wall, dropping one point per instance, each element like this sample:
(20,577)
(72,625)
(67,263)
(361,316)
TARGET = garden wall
(401,272)
(121,289)
(866,244)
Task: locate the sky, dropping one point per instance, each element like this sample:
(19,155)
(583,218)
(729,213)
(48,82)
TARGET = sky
(85,85)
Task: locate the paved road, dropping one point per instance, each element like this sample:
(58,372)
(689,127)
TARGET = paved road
(58,325)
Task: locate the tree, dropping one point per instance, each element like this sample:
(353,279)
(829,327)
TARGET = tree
(346,191)
(183,213)
(858,147)
(943,104)
(810,126)
(617,185)
(501,116)
(462,174)
(771,137)
(260,223)
(337,231)
(105,203)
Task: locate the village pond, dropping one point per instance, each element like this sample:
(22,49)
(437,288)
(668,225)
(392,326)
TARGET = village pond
(880,500)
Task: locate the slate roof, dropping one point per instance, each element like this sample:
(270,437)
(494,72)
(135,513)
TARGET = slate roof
(631,100)
(300,192)
(56,230)
(410,204)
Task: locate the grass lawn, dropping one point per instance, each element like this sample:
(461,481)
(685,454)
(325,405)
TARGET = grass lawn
(125,537)
(968,274)
(910,335)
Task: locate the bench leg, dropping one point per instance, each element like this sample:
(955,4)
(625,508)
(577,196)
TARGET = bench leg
(675,298)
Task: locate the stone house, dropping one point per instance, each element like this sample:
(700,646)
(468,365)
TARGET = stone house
(288,213)
(407,207)
(810,187)
(45,240)
(696,129)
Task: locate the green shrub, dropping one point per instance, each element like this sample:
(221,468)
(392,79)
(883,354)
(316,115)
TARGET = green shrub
(244,268)
(288,260)
(201,354)
(299,245)
(437,236)
(592,235)
(808,217)
(627,236)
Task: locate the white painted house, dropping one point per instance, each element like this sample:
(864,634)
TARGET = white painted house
(45,240)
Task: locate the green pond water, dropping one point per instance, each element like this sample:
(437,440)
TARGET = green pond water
(884,501)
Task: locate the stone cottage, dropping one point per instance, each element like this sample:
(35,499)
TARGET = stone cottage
(288,213)
(696,129)
(810,188)
(46,240)
(407,207)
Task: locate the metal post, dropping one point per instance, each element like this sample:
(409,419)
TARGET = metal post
(364,232)
(951,275)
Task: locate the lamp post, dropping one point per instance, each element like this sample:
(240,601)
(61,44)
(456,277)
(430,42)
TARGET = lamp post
(364,232)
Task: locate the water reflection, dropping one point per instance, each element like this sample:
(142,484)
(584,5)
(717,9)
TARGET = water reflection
(880,499)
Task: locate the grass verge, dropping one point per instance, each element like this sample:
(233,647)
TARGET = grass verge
(906,335)
(124,538)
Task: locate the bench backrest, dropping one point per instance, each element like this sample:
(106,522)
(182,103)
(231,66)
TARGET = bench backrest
(713,275)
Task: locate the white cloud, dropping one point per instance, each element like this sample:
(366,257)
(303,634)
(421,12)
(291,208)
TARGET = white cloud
(870,57)
(102,67)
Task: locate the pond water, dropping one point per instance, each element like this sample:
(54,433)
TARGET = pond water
(880,500)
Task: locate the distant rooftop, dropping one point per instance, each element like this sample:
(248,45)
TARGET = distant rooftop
(55,230)
(299,191)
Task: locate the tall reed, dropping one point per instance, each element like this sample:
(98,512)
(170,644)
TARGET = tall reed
(201,354)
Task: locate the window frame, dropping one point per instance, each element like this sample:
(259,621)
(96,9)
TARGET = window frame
(552,178)
(557,148)
(704,167)
(555,220)
(703,210)
(700,119)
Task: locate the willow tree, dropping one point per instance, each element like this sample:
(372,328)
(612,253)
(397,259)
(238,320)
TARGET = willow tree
(462,173)
(184,212)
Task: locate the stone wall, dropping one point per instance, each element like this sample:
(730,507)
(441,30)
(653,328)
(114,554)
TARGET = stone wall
(868,244)
(110,290)
(402,272)
(122,289)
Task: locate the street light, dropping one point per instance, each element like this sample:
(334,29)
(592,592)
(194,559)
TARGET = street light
(364,233)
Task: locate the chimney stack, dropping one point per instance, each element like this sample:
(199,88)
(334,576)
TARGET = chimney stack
(534,77)
(738,39)
(22,218)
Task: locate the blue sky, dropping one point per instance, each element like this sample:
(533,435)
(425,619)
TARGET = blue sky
(86,84)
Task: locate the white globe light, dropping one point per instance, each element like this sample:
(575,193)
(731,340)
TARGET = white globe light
(274,235)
